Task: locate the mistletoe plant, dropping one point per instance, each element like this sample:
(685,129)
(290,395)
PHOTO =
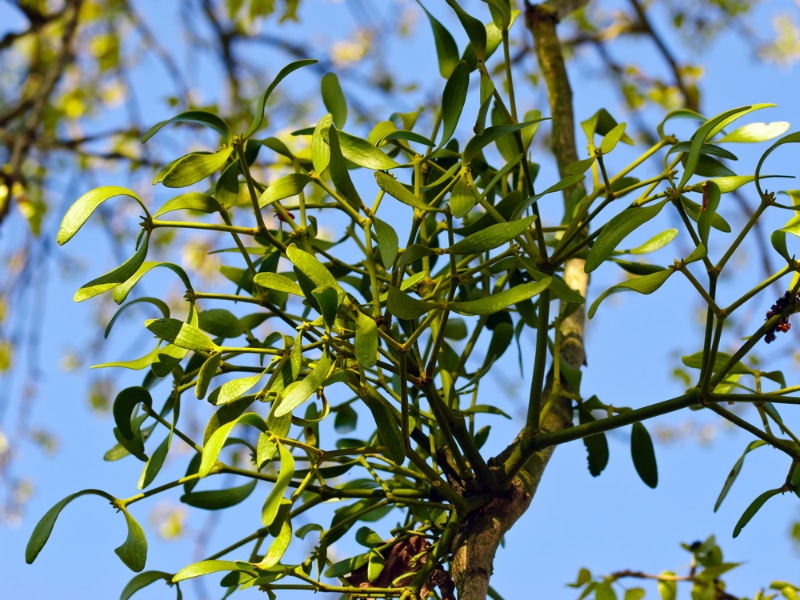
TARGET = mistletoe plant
(317,335)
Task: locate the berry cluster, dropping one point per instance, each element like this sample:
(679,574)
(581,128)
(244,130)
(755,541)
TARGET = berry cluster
(788,299)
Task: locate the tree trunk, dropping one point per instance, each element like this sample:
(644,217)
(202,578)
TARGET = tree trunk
(481,533)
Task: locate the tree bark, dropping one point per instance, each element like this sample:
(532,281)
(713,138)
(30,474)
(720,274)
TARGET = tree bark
(481,533)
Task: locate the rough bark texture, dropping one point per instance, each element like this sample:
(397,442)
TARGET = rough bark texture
(481,533)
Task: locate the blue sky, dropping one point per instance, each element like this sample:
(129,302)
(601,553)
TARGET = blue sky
(606,524)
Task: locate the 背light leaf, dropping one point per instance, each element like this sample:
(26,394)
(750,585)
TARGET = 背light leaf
(491,134)
(755,132)
(643,454)
(204,567)
(299,391)
(124,404)
(362,153)
(646,284)
(192,168)
(320,149)
(133,551)
(115,277)
(656,242)
(181,334)
(272,503)
(83,207)
(285,187)
(220,322)
(278,282)
(236,388)
(215,443)
(617,229)
(195,201)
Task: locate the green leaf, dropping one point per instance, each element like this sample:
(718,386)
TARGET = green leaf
(206,374)
(124,404)
(195,201)
(142,580)
(181,334)
(403,306)
(596,445)
(491,134)
(497,302)
(122,290)
(634,594)
(192,168)
(616,230)
(707,131)
(646,284)
(446,49)
(133,551)
(476,32)
(792,138)
(219,499)
(755,132)
(711,202)
(388,428)
(400,192)
(362,153)
(83,207)
(278,282)
(298,392)
(334,100)
(226,190)
(612,138)
(41,533)
(320,150)
(366,345)
(273,502)
(737,468)
(154,464)
(656,242)
(668,589)
(204,567)
(220,323)
(338,170)
(114,278)
(288,185)
(215,443)
(279,545)
(491,237)
(644,456)
(236,388)
(754,507)
(258,119)
(388,242)
(453,98)
(463,197)
(311,267)
(198,117)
